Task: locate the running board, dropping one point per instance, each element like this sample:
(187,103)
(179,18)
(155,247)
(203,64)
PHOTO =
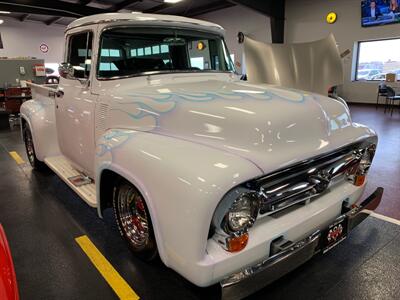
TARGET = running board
(61,166)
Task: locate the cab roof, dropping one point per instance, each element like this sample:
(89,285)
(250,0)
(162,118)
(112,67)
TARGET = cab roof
(146,19)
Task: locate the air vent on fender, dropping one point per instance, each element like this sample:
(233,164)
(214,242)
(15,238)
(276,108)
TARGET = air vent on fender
(101,118)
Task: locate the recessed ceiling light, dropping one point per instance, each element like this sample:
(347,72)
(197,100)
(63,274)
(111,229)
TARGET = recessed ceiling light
(4,12)
(172,1)
(1,22)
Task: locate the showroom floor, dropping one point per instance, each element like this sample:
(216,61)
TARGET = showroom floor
(42,217)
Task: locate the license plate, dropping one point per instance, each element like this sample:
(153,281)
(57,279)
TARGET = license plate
(334,234)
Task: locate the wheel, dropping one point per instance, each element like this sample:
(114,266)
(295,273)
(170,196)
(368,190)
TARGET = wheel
(30,150)
(133,220)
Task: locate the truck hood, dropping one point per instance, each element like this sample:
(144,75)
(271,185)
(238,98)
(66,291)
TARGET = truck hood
(270,126)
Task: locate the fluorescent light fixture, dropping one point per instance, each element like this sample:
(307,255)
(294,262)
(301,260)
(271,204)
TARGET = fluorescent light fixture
(1,22)
(5,12)
(172,1)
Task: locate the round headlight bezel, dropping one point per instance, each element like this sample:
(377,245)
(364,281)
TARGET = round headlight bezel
(246,203)
(365,155)
(366,159)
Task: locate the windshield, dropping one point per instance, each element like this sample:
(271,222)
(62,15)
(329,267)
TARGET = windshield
(133,51)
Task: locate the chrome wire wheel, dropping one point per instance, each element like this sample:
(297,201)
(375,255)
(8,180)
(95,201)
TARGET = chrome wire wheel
(133,217)
(30,150)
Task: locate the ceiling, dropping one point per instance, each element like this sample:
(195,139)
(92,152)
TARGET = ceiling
(63,12)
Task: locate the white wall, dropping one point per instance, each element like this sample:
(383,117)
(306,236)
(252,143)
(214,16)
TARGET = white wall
(305,21)
(239,18)
(25,38)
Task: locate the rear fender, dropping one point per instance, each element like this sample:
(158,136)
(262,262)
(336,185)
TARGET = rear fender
(39,115)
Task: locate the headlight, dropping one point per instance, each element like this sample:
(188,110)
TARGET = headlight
(243,213)
(233,217)
(366,160)
(358,174)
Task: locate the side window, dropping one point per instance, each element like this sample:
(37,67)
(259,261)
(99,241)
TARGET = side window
(80,54)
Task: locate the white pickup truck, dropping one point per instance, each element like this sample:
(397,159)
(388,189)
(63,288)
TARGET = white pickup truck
(227,181)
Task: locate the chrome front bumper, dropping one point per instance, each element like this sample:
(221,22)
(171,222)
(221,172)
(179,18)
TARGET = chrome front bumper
(253,278)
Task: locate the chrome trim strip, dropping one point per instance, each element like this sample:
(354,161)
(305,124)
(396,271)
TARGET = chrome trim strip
(311,161)
(308,179)
(307,184)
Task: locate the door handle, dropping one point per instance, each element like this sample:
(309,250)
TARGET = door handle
(59,94)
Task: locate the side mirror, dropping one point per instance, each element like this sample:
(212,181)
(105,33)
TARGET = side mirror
(66,71)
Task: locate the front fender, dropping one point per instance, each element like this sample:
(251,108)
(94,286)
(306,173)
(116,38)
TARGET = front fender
(182,183)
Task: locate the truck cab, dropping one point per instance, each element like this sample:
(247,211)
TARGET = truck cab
(98,57)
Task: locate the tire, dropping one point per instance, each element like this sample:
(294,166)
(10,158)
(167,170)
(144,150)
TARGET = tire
(133,220)
(30,151)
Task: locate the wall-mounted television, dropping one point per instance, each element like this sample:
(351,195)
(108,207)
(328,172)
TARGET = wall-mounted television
(379,12)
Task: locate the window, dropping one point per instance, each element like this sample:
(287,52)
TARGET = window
(161,50)
(108,67)
(110,53)
(106,58)
(164,49)
(377,58)
(156,49)
(80,54)
(197,62)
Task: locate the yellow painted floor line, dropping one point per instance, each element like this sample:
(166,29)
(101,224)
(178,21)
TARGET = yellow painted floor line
(384,218)
(16,157)
(117,283)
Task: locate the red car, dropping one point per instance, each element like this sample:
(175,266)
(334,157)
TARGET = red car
(8,282)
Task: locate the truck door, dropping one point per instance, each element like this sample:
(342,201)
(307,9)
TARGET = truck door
(75,105)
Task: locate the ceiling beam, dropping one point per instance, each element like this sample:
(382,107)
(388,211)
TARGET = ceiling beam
(49,7)
(52,20)
(158,8)
(123,4)
(271,8)
(277,30)
(216,5)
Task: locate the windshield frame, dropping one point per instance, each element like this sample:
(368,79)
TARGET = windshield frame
(161,72)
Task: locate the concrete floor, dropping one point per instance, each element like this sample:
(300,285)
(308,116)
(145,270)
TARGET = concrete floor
(42,217)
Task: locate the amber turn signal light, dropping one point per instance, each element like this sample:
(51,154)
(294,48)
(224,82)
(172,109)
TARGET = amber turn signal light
(359,180)
(235,244)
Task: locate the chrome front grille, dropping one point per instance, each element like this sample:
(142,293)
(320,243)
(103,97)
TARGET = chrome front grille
(306,180)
